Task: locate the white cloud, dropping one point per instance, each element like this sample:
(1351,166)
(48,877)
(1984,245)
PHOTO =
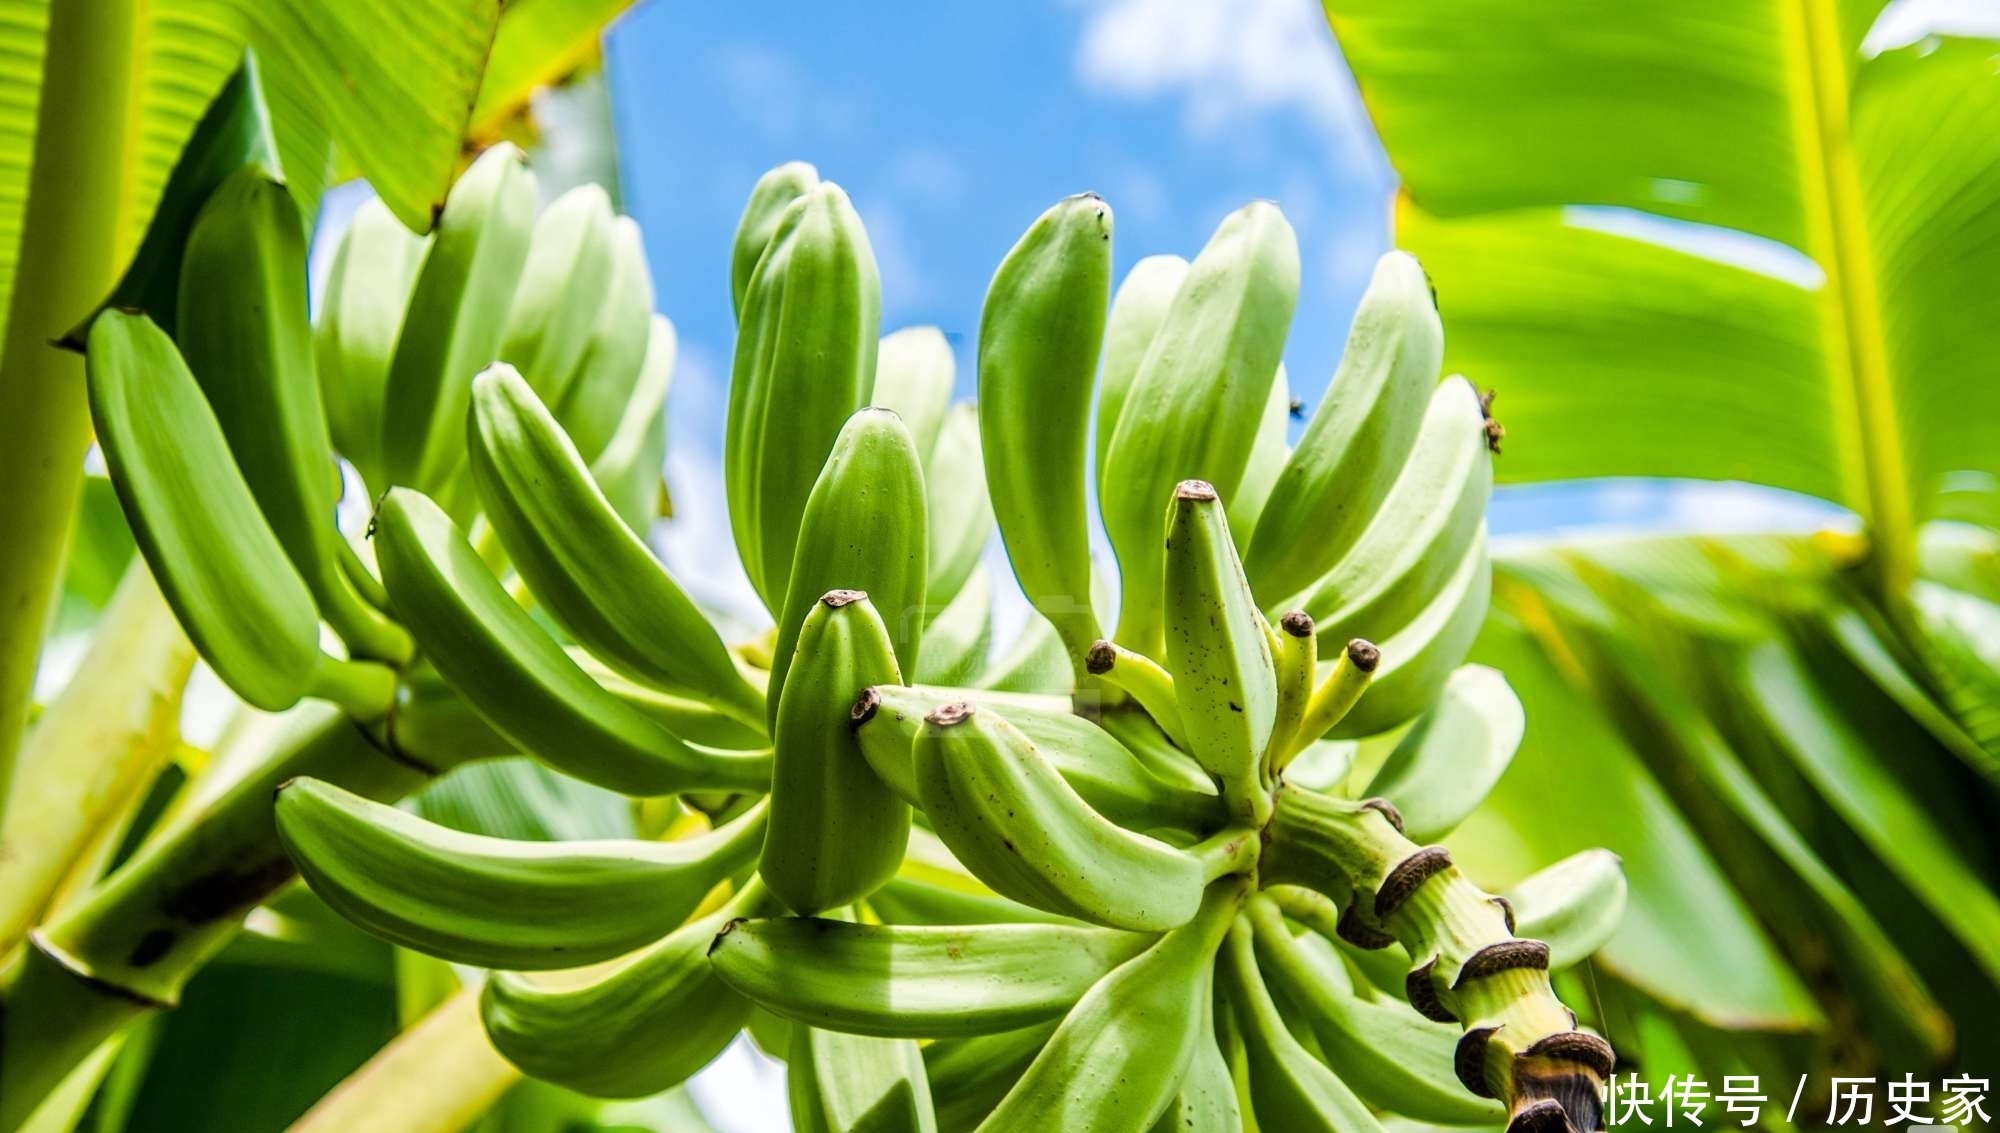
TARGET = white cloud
(931,174)
(904,282)
(1907,21)
(1232,59)
(777,94)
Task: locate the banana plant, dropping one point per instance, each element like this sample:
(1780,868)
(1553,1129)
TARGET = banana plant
(1736,242)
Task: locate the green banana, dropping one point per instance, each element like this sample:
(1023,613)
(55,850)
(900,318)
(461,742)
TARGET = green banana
(1295,658)
(862,529)
(837,832)
(361,315)
(1137,312)
(969,1076)
(493,902)
(563,288)
(805,356)
(1219,649)
(1034,662)
(1267,459)
(1334,697)
(217,561)
(914,375)
(959,516)
(1386,1052)
(1572,906)
(1120,1054)
(457,314)
(1206,1101)
(243,331)
(1420,657)
(917,981)
(694,719)
(1442,769)
(854,1084)
(517,677)
(1346,462)
(1039,334)
(1104,772)
(769,198)
(645,1027)
(958,637)
(1423,530)
(629,467)
(1006,812)
(1143,680)
(1289,1088)
(614,356)
(591,572)
(1192,410)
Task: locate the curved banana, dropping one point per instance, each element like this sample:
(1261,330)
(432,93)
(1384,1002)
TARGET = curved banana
(1295,657)
(614,355)
(862,529)
(915,373)
(805,356)
(217,561)
(839,1083)
(917,981)
(629,467)
(1443,767)
(1006,813)
(1386,1052)
(242,329)
(969,1076)
(645,1027)
(1289,1088)
(837,831)
(694,719)
(1138,311)
(1347,459)
(1206,1102)
(1039,334)
(563,288)
(1267,459)
(517,677)
(592,573)
(1423,530)
(1418,660)
(958,636)
(1572,906)
(456,317)
(360,315)
(1193,408)
(1219,649)
(495,902)
(959,517)
(769,198)
(1119,1057)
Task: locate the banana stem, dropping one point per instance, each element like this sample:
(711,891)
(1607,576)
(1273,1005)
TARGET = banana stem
(436,1077)
(1520,1044)
(1229,852)
(363,689)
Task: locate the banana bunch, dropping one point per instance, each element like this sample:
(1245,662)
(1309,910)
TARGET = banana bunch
(1081,885)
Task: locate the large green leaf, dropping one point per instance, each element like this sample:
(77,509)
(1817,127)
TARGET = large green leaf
(1855,364)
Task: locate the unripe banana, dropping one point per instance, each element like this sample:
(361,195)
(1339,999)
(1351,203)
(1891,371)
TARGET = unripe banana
(493,902)
(1141,678)
(1289,1088)
(614,356)
(805,356)
(457,314)
(958,637)
(959,517)
(694,719)
(1218,648)
(629,467)
(1420,657)
(517,677)
(769,198)
(360,316)
(1443,767)
(862,529)
(1137,313)
(562,292)
(837,831)
(1035,662)
(1006,812)
(1039,334)
(1120,1055)
(592,573)
(1295,657)
(917,981)
(212,551)
(1347,460)
(932,887)
(1206,1101)
(854,1084)
(1110,777)
(1268,456)
(914,375)
(243,330)
(1386,1052)
(1423,530)
(969,1076)
(1193,409)
(642,1029)
(1572,906)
